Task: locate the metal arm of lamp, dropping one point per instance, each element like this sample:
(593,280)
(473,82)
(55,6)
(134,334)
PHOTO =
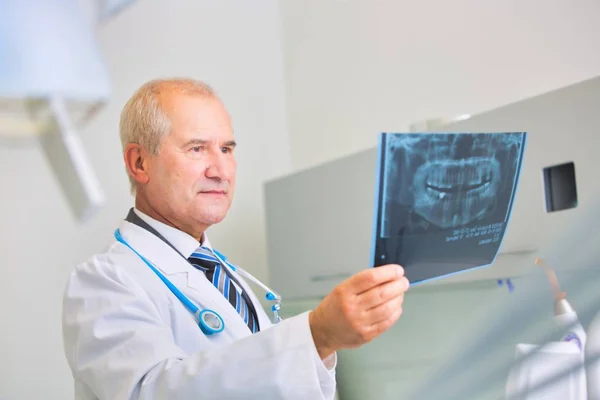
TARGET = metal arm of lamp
(53,80)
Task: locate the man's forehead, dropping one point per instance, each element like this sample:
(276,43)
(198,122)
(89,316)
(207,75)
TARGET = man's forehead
(196,110)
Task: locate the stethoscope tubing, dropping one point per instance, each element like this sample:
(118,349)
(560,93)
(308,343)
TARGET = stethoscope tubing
(200,314)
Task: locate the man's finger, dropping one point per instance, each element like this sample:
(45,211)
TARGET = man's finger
(384,311)
(380,294)
(372,277)
(385,324)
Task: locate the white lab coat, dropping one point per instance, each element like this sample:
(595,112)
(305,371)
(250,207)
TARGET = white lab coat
(126,336)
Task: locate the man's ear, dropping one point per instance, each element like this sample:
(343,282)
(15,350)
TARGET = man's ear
(136,162)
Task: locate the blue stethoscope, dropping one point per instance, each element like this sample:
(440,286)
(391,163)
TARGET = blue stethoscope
(209,321)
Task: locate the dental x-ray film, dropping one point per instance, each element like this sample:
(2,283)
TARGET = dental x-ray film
(444,200)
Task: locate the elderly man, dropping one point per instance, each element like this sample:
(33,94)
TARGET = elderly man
(161,315)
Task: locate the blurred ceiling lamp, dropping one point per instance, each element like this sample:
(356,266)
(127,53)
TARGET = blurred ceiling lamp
(52,81)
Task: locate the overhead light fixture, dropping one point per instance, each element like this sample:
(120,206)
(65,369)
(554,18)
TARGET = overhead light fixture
(53,79)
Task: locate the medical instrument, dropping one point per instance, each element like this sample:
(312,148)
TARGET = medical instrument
(209,321)
(561,305)
(270,295)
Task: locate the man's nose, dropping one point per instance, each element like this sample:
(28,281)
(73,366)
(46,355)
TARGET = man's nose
(215,167)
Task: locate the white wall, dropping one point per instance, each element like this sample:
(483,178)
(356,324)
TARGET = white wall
(236,47)
(355,68)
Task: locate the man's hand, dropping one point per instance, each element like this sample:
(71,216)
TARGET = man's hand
(359,309)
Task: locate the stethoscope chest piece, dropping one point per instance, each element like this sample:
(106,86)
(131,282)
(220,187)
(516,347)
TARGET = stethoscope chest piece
(210,322)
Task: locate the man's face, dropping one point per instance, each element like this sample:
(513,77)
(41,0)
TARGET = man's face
(192,179)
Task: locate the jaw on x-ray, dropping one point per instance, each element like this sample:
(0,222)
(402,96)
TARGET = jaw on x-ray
(447,180)
(444,199)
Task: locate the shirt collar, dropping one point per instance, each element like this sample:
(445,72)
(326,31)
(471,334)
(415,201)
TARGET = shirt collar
(183,242)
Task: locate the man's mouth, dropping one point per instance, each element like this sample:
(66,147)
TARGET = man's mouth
(213,192)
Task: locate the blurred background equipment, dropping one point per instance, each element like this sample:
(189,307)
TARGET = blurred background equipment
(53,80)
(592,358)
(554,369)
(418,357)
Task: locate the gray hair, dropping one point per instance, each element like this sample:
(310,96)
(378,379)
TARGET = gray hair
(144,122)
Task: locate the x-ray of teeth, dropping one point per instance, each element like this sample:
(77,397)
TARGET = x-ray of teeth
(455,186)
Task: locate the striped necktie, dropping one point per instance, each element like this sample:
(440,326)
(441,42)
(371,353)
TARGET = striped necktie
(204,260)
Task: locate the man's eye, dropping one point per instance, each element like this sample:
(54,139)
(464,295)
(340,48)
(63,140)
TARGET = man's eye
(196,148)
(226,149)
